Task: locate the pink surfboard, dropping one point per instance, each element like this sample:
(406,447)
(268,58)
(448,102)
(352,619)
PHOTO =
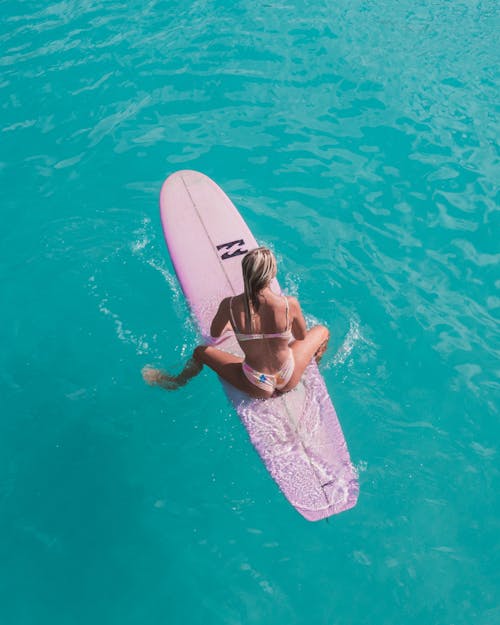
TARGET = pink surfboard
(297,435)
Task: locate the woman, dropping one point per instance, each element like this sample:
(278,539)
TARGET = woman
(271,332)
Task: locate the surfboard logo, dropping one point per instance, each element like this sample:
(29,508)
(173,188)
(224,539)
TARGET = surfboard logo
(233,248)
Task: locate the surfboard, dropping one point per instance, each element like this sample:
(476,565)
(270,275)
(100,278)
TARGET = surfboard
(297,435)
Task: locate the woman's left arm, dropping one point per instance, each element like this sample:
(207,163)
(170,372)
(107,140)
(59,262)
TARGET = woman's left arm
(221,319)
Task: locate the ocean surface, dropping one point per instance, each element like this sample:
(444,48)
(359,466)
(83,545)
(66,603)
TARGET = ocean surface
(359,139)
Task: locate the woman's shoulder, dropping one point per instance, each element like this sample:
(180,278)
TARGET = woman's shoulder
(232,301)
(235,299)
(293,302)
(225,304)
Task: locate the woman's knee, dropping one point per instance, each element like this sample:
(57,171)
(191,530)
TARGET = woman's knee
(199,353)
(323,331)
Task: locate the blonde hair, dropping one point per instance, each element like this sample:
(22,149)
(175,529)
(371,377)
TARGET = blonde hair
(259,268)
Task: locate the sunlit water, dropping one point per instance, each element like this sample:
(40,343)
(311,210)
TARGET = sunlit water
(359,140)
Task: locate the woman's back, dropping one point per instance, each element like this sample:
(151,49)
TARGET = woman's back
(265,337)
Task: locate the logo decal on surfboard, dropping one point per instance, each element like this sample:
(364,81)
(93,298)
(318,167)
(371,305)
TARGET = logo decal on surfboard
(230,253)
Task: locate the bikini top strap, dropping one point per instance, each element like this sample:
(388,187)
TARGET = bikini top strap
(231,314)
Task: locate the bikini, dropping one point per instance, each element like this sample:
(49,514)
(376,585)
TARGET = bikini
(267,381)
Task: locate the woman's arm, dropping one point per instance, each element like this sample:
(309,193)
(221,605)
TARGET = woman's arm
(221,319)
(299,328)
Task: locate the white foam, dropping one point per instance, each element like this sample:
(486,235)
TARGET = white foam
(351,339)
(124,334)
(143,235)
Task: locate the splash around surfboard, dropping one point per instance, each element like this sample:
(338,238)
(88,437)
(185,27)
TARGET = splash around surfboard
(297,435)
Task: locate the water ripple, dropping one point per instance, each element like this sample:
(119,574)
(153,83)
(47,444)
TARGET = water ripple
(360,141)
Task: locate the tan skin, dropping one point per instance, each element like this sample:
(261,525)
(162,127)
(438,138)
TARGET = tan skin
(265,355)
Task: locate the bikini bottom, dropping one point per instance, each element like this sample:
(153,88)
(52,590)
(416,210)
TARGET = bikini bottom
(268,381)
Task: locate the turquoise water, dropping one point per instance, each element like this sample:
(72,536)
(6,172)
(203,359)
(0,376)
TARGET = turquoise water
(359,140)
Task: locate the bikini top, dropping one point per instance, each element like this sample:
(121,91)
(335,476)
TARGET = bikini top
(286,334)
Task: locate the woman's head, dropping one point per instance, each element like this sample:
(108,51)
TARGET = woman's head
(259,268)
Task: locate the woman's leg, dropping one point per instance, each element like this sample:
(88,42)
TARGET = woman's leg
(226,365)
(314,345)
(229,368)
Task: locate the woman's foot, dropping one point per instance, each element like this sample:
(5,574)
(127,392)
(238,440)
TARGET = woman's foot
(156,377)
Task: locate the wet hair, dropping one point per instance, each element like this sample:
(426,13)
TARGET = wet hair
(259,268)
